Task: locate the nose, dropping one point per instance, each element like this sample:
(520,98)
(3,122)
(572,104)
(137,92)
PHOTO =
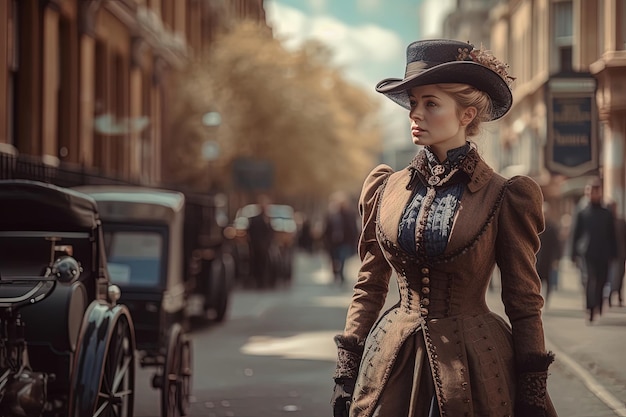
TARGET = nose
(416,113)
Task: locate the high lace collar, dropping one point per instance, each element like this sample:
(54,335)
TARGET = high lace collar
(427,167)
(453,158)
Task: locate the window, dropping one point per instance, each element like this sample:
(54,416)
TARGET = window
(135,257)
(563,34)
(563,20)
(621,22)
(14,66)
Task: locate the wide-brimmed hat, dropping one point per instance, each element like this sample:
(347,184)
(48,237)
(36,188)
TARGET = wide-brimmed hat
(441,61)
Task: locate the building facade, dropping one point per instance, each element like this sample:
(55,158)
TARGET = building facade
(565,124)
(84,83)
(605,56)
(568,118)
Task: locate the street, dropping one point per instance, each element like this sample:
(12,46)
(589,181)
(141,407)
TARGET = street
(274,355)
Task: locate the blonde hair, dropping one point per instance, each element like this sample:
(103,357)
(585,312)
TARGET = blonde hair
(466,96)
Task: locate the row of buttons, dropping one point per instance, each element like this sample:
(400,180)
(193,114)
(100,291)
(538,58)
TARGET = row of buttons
(425,301)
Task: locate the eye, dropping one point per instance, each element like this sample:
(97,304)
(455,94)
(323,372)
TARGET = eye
(431,103)
(412,102)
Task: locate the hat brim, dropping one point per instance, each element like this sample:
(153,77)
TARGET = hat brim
(464,72)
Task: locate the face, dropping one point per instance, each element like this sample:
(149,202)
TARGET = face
(594,193)
(436,119)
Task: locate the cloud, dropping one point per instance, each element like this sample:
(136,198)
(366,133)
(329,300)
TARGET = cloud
(436,10)
(366,53)
(369,6)
(318,6)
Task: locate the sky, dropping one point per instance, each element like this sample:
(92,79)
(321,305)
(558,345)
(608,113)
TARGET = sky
(368,37)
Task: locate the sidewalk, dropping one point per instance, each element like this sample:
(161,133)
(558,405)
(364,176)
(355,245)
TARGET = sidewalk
(593,353)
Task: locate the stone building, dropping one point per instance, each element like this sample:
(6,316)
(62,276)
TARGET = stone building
(84,83)
(569,60)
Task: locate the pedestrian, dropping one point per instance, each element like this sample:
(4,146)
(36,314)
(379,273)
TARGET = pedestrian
(442,224)
(549,254)
(618,266)
(305,234)
(340,234)
(594,246)
(260,240)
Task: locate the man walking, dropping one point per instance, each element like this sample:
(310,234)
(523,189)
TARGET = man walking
(261,238)
(594,246)
(340,234)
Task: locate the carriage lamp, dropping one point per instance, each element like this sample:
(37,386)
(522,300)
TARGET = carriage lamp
(66,269)
(114,293)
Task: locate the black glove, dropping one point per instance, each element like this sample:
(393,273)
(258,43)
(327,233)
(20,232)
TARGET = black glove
(342,396)
(532,398)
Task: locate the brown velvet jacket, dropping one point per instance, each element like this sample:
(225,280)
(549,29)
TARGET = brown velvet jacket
(480,366)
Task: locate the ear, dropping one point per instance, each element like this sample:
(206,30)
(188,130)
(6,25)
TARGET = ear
(468,115)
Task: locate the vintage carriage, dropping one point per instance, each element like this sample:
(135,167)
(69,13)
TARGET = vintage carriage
(67,347)
(143,234)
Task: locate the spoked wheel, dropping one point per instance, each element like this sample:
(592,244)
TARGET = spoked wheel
(103,383)
(186,374)
(177,372)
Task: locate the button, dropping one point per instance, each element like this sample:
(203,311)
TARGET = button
(425,270)
(426,290)
(424,311)
(425,280)
(426,301)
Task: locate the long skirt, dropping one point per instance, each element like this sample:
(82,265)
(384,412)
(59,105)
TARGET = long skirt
(417,399)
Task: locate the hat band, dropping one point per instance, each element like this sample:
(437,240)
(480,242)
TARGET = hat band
(415,67)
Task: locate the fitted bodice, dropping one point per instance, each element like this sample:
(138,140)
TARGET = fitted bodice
(432,293)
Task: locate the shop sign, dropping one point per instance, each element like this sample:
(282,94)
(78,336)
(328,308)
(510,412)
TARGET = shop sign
(572,143)
(252,174)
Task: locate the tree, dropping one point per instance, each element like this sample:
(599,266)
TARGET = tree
(289,108)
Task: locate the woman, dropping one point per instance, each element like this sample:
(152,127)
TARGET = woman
(443,224)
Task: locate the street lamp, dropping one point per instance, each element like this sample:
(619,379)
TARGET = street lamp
(211,148)
(211,119)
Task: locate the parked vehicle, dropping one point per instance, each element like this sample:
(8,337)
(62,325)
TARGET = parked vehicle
(281,252)
(202,271)
(143,235)
(209,267)
(67,347)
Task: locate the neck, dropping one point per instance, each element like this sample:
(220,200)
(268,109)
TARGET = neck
(441,150)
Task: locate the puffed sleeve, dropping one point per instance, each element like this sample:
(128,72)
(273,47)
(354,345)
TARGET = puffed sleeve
(519,224)
(372,284)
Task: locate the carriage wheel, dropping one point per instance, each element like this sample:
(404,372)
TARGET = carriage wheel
(176,386)
(186,373)
(104,375)
(219,290)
